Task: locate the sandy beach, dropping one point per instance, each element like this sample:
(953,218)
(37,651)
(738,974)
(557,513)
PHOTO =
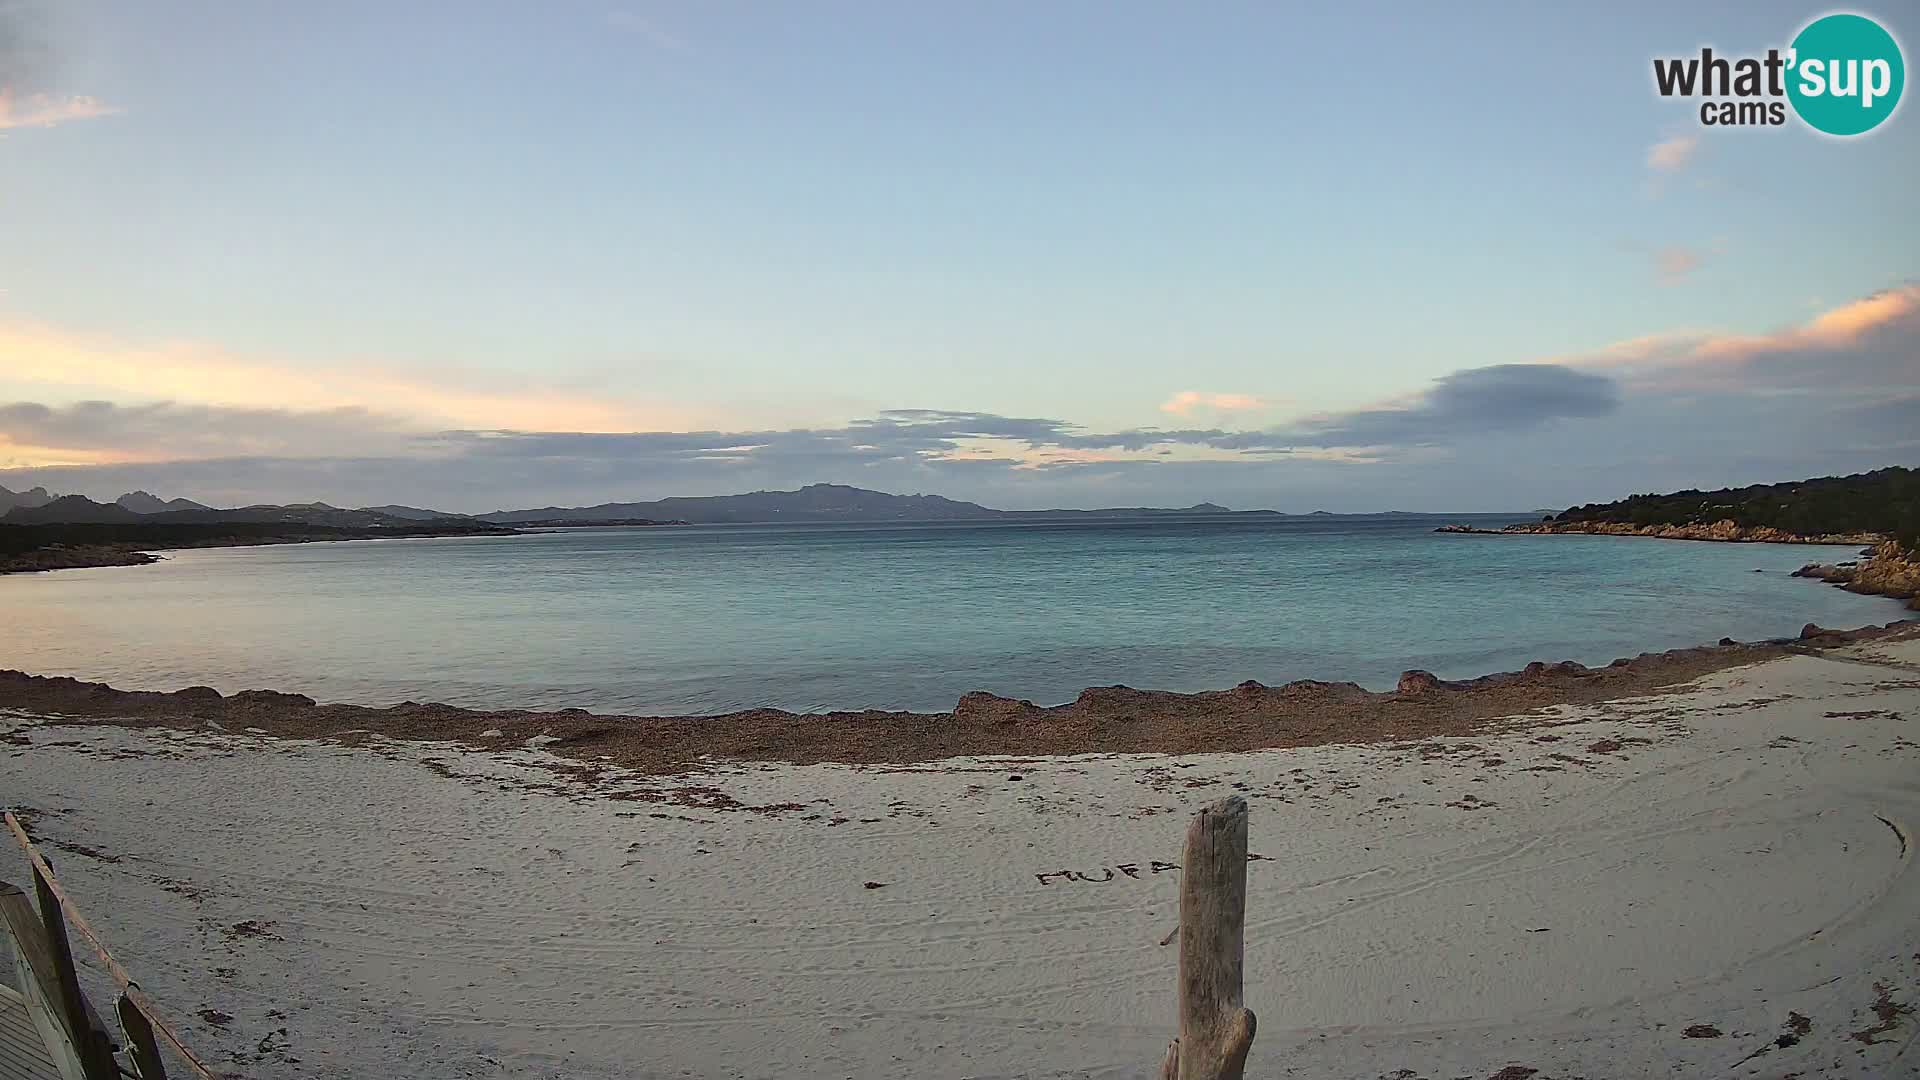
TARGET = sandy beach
(1713,881)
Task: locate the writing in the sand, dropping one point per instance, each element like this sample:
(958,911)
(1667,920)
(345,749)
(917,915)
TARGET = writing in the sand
(1103,874)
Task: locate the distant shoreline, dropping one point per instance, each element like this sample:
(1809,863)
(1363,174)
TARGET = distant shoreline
(1885,570)
(82,546)
(1720,532)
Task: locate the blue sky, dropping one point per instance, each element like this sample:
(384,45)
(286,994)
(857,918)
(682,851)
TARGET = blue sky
(336,233)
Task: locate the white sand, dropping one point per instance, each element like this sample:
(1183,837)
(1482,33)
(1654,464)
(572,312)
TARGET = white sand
(1417,910)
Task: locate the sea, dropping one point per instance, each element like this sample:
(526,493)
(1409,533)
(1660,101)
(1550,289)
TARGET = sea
(706,619)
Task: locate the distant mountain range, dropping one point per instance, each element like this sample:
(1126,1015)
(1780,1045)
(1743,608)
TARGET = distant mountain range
(78,509)
(813,503)
(30,498)
(141,502)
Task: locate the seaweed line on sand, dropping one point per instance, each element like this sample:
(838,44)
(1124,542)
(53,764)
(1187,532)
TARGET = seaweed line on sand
(1108,719)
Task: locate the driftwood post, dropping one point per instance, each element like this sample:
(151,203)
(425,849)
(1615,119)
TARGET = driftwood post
(1216,1029)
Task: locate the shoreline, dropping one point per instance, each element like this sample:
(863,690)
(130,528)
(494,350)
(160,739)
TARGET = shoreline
(1108,719)
(48,559)
(1720,532)
(81,556)
(59,555)
(1883,569)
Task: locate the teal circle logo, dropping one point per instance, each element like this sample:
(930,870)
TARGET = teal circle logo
(1845,74)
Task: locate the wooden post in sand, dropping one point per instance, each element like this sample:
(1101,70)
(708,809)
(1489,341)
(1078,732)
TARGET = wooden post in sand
(1216,1029)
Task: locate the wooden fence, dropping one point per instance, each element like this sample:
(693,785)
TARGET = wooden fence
(79,1042)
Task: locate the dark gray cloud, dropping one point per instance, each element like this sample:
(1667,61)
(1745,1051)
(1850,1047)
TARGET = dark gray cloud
(27,53)
(1502,398)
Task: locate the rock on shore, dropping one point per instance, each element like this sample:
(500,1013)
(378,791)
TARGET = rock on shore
(1886,571)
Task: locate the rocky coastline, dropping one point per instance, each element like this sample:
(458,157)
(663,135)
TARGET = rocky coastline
(1724,532)
(1107,719)
(1887,570)
(28,549)
(61,557)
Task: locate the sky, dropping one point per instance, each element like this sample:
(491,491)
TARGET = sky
(1375,256)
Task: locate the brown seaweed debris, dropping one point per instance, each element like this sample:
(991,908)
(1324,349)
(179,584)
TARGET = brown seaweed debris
(1107,719)
(1701,1031)
(1887,1011)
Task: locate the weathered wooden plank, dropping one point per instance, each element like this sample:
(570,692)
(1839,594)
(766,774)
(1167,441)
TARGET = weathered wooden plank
(29,936)
(89,1037)
(66,978)
(23,1049)
(141,1048)
(1216,1029)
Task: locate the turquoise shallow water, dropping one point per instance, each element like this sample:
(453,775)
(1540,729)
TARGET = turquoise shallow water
(709,619)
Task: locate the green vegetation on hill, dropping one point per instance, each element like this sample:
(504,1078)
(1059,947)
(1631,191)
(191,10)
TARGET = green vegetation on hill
(1883,501)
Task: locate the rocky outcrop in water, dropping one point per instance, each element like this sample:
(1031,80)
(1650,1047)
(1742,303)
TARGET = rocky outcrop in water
(1888,570)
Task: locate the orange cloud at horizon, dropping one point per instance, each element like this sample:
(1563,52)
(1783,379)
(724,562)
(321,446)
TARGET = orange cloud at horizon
(1839,328)
(14,455)
(98,367)
(44,110)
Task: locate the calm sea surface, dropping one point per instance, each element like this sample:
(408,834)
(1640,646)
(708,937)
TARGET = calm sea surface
(708,619)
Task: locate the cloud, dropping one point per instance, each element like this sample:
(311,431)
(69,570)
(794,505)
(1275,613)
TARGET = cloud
(1869,344)
(74,366)
(102,432)
(1186,401)
(648,30)
(1675,263)
(1674,154)
(898,442)
(33,62)
(43,110)
(1477,401)
(1838,392)
(1889,312)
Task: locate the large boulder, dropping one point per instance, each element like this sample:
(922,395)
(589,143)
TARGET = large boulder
(1417,682)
